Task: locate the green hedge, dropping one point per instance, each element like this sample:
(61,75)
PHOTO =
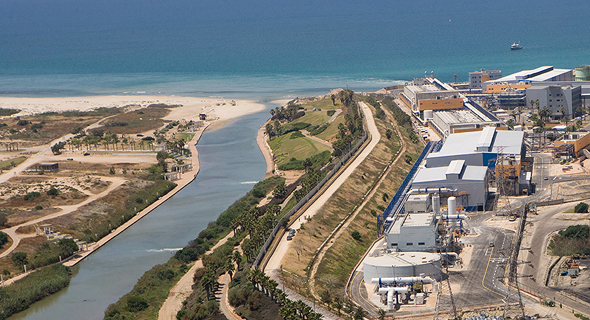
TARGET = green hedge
(21,294)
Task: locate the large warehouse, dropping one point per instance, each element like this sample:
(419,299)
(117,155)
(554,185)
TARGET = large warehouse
(479,148)
(470,182)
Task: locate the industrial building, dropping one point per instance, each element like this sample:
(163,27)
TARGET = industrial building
(388,264)
(541,74)
(430,94)
(479,148)
(476,78)
(577,140)
(556,97)
(483,148)
(469,182)
(469,118)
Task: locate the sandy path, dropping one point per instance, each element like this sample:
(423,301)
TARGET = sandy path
(275,260)
(16,237)
(262,141)
(183,288)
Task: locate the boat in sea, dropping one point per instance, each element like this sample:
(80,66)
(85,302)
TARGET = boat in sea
(515,46)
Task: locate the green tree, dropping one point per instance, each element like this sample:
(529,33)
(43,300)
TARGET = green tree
(581,207)
(388,133)
(3,238)
(161,155)
(280,190)
(20,259)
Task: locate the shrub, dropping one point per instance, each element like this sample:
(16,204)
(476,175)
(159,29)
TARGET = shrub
(3,238)
(581,207)
(19,259)
(136,304)
(32,195)
(576,232)
(38,207)
(22,123)
(356,235)
(296,134)
(258,193)
(21,294)
(331,112)
(52,192)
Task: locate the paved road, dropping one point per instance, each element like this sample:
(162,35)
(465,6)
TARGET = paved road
(275,260)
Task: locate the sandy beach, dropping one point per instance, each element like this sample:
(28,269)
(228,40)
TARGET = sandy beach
(216,109)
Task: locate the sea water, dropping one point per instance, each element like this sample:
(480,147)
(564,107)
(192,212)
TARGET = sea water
(280,48)
(259,50)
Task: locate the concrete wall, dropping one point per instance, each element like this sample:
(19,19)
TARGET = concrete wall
(421,238)
(440,104)
(477,191)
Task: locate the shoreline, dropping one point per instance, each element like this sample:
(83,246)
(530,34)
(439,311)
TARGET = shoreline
(185,180)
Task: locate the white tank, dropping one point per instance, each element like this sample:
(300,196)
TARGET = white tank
(452,204)
(436,204)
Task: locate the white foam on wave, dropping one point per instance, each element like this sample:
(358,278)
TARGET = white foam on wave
(164,249)
(249,182)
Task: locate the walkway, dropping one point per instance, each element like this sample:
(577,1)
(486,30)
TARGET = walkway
(184,286)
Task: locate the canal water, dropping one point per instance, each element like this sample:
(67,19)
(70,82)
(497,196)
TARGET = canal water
(231,163)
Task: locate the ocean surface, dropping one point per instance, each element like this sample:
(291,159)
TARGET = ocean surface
(253,49)
(272,49)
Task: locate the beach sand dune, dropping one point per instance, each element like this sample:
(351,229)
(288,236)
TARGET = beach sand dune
(215,108)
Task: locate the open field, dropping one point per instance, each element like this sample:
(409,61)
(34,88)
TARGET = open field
(332,129)
(285,147)
(314,118)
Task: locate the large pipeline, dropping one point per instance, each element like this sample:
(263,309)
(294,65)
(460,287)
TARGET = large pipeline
(390,291)
(381,281)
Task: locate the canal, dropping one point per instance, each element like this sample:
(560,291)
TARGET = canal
(231,163)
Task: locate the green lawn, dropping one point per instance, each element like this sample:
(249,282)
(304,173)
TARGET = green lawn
(315,118)
(284,148)
(185,136)
(324,104)
(7,164)
(332,130)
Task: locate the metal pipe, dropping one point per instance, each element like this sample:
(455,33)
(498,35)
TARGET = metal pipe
(402,280)
(390,291)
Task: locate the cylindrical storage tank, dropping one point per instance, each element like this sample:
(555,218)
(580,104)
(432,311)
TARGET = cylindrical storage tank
(428,114)
(436,204)
(402,264)
(452,205)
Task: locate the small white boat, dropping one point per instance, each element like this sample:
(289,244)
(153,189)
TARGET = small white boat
(515,46)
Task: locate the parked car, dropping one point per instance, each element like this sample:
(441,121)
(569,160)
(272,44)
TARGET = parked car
(512,218)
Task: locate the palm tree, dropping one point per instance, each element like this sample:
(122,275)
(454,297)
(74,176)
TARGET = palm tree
(230,268)
(207,281)
(237,259)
